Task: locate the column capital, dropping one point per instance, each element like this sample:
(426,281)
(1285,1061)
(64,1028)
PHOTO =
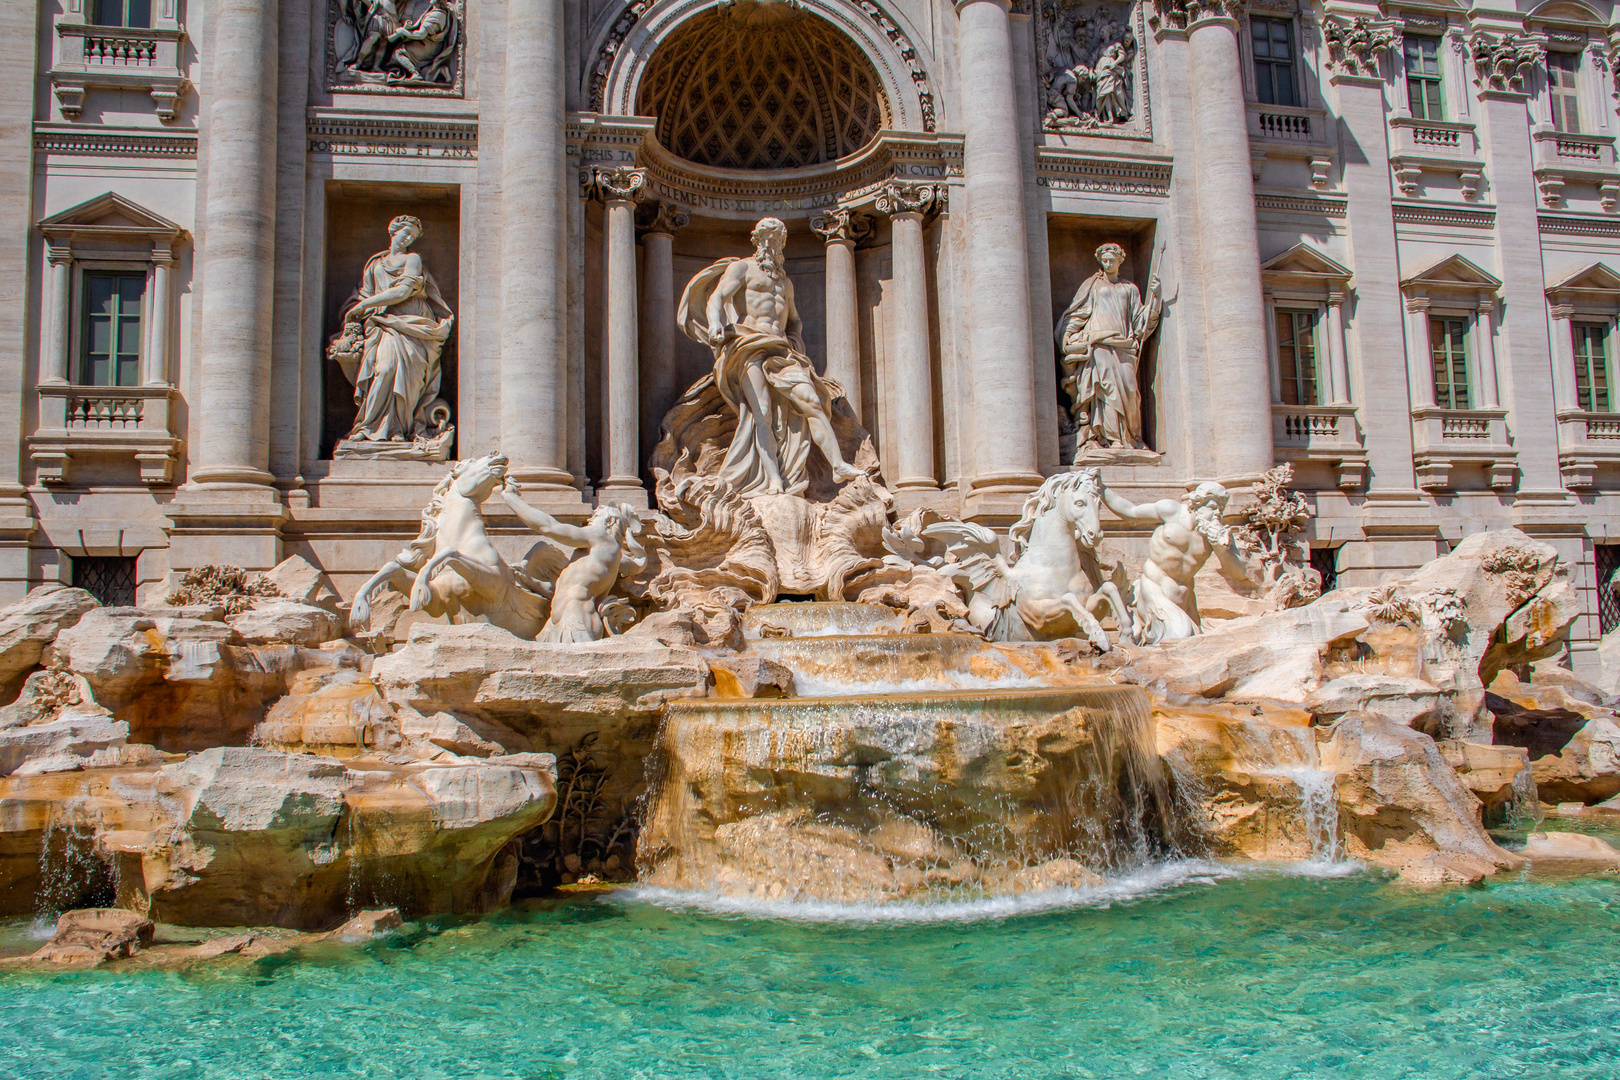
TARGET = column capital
(1004,5)
(1561,311)
(904,197)
(1417,303)
(842,225)
(612,183)
(1187,14)
(1355,46)
(1336,298)
(1502,62)
(57,254)
(659,216)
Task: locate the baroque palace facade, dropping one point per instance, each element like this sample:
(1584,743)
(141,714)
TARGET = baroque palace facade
(1380,242)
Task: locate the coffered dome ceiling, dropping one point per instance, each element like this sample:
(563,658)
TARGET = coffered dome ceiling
(759,92)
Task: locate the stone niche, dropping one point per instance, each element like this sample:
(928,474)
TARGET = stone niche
(357,217)
(1072,241)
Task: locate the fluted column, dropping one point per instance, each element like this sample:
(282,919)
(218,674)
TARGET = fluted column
(1000,349)
(657,323)
(1229,243)
(842,229)
(54,370)
(1338,365)
(905,204)
(155,364)
(534,221)
(237,250)
(621,411)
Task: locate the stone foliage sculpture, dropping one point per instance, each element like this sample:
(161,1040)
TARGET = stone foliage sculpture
(396,43)
(1164,606)
(1502,63)
(1355,45)
(1052,586)
(394,329)
(743,310)
(1270,530)
(1100,338)
(1087,53)
(453,570)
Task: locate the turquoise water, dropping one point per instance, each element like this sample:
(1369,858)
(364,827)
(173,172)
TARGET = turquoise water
(1203,972)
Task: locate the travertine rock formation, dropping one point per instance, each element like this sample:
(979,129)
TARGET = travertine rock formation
(32,623)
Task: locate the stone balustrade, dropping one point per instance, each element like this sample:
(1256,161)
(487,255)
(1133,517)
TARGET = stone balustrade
(119,58)
(1325,433)
(1445,440)
(1436,146)
(77,423)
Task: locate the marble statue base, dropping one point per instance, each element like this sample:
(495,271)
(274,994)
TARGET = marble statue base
(1094,456)
(435,449)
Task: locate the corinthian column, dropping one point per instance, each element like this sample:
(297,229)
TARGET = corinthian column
(236,256)
(621,413)
(1229,243)
(842,229)
(1000,348)
(905,204)
(657,323)
(534,222)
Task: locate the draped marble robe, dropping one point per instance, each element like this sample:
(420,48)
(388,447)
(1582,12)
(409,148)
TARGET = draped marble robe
(784,364)
(399,374)
(1100,338)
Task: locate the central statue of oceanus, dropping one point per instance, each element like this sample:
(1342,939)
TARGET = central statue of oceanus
(743,310)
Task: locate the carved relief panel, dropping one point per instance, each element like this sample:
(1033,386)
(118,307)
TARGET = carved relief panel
(396,46)
(1093,73)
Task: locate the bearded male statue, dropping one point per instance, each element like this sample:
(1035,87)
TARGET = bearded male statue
(743,310)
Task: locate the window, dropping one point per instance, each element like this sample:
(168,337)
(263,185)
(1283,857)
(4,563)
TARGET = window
(110,353)
(1607,557)
(108,578)
(1325,561)
(1448,339)
(1296,356)
(1562,72)
(1592,367)
(1423,97)
(1273,60)
(136,13)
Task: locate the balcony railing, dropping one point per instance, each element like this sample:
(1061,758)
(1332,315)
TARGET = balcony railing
(1446,440)
(77,423)
(1325,433)
(1586,440)
(115,57)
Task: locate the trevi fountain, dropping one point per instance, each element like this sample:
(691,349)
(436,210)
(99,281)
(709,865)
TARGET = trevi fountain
(764,753)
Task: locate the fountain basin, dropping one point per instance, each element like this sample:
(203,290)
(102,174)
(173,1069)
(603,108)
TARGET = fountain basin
(841,665)
(904,797)
(816,618)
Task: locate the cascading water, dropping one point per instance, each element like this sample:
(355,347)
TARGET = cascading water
(872,795)
(1319,804)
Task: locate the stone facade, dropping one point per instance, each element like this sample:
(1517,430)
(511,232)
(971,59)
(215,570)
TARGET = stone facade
(1388,238)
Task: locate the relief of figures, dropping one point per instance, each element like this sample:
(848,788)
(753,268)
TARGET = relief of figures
(405,43)
(1087,59)
(394,329)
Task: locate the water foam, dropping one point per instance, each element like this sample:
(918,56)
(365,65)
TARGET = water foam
(814,686)
(1144,883)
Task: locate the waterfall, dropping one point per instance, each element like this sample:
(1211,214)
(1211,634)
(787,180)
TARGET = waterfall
(1319,804)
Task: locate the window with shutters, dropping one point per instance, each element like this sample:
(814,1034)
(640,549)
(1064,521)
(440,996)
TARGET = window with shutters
(1273,44)
(132,13)
(110,338)
(1448,340)
(1563,75)
(1423,87)
(1592,367)
(1296,357)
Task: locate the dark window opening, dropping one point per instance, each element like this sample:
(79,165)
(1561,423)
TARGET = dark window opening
(1448,340)
(1423,96)
(1607,557)
(110,354)
(1592,366)
(1563,90)
(1296,356)
(1325,561)
(132,13)
(108,578)
(1273,41)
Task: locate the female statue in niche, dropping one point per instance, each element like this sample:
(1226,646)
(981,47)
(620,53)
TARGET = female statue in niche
(394,328)
(1100,338)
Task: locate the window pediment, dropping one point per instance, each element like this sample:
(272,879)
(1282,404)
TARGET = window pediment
(110,218)
(1303,268)
(1452,275)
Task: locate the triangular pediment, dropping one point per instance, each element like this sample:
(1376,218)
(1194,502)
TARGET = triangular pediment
(111,213)
(1456,272)
(1594,278)
(1304,259)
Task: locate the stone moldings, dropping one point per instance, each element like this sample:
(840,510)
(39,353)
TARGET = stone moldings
(396,46)
(1502,62)
(1356,45)
(1090,67)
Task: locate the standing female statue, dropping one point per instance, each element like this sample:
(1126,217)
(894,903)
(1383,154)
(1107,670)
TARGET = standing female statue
(1100,337)
(394,329)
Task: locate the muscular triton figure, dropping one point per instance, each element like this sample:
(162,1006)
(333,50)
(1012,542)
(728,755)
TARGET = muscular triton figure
(743,310)
(1190,531)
